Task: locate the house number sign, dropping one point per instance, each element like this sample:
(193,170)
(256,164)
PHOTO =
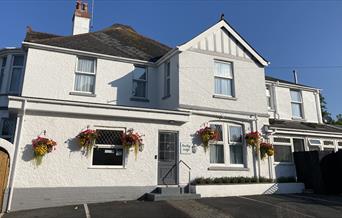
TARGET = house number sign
(185,148)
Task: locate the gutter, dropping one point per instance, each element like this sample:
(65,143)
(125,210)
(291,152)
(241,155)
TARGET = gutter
(306,132)
(19,128)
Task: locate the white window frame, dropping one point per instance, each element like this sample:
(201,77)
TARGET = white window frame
(338,146)
(233,95)
(289,144)
(320,145)
(11,73)
(85,73)
(167,79)
(140,80)
(329,146)
(124,158)
(269,97)
(226,146)
(300,103)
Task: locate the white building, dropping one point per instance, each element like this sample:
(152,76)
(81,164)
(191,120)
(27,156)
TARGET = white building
(116,79)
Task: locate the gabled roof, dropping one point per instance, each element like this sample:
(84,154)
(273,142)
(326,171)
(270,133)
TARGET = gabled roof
(117,40)
(273,79)
(224,24)
(297,125)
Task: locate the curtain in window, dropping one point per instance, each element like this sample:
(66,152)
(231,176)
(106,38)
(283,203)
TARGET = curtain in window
(223,70)
(216,153)
(296,110)
(84,83)
(282,153)
(223,86)
(15,80)
(86,65)
(236,154)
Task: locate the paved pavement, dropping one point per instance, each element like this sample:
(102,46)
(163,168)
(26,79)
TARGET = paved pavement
(282,206)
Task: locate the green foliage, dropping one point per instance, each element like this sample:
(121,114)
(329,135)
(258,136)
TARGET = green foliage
(230,180)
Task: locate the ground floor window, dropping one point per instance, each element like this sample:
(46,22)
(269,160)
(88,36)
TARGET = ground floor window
(229,148)
(283,149)
(108,149)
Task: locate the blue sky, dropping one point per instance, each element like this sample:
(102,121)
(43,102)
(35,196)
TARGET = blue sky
(302,34)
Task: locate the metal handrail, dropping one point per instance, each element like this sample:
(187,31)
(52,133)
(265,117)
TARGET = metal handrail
(185,164)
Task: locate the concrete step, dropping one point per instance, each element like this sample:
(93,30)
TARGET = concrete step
(169,190)
(164,197)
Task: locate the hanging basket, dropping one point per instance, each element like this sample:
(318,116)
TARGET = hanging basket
(132,139)
(266,150)
(87,140)
(206,135)
(41,146)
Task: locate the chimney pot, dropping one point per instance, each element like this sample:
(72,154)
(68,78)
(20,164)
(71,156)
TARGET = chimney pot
(81,18)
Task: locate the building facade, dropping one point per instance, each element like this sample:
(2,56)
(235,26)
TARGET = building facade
(114,80)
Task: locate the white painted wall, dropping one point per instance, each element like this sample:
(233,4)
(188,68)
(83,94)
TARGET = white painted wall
(196,82)
(53,78)
(284,104)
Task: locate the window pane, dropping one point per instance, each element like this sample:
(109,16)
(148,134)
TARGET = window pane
(108,137)
(223,86)
(298,144)
(84,83)
(296,110)
(329,149)
(223,70)
(296,96)
(86,65)
(18,60)
(4,60)
(139,73)
(235,134)
(15,80)
(282,153)
(283,140)
(269,102)
(236,154)
(8,126)
(216,153)
(108,156)
(315,142)
(339,143)
(328,142)
(218,128)
(139,89)
(314,148)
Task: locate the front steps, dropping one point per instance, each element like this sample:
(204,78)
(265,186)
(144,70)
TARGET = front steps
(170,193)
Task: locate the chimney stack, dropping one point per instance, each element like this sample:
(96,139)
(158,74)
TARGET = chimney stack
(81,18)
(295,77)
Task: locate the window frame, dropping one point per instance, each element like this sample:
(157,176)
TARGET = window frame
(124,156)
(315,144)
(300,103)
(289,144)
(76,72)
(226,145)
(232,79)
(10,118)
(12,66)
(269,97)
(167,79)
(140,80)
(2,70)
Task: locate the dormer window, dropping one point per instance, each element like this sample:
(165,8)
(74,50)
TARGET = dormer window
(85,75)
(296,104)
(224,79)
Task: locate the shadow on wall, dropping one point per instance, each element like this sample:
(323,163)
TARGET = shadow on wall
(28,153)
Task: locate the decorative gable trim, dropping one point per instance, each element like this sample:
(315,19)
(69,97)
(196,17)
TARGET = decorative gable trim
(222,24)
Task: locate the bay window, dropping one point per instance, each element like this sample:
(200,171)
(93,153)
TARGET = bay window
(16,73)
(224,79)
(85,75)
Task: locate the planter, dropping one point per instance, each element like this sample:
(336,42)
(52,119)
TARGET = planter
(247,189)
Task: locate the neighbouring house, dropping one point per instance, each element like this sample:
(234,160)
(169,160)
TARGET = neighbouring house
(116,79)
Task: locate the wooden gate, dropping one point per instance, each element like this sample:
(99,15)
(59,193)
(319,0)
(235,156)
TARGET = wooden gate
(4,169)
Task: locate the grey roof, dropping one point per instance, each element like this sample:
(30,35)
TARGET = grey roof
(297,125)
(117,40)
(273,79)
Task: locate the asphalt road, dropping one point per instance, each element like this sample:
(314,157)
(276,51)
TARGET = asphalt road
(282,206)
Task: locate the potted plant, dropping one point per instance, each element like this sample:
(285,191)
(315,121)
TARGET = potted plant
(132,139)
(41,146)
(207,134)
(266,149)
(87,139)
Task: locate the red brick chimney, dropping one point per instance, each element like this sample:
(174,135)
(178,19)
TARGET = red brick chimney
(81,18)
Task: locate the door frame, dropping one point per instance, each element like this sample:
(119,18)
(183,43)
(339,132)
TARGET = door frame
(176,153)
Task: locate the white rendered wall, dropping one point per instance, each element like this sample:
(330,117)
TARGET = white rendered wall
(80,25)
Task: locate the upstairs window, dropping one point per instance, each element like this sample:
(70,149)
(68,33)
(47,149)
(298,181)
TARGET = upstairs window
(224,80)
(269,97)
(140,82)
(296,104)
(167,80)
(85,75)
(16,73)
(2,70)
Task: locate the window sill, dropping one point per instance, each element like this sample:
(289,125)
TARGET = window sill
(225,97)
(165,97)
(298,119)
(139,99)
(106,167)
(217,168)
(283,163)
(83,94)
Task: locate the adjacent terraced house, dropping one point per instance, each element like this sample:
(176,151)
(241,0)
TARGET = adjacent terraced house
(116,79)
